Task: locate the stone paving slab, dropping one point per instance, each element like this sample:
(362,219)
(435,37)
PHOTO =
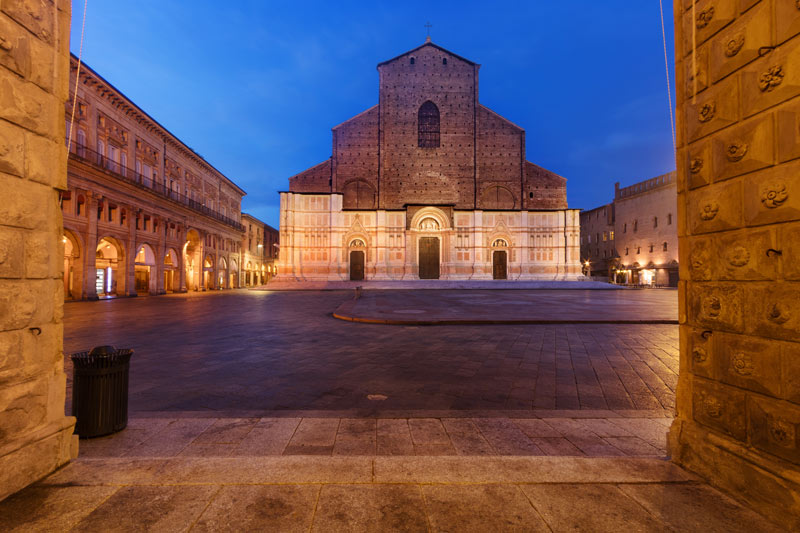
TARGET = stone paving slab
(375,494)
(448,307)
(421,436)
(243,354)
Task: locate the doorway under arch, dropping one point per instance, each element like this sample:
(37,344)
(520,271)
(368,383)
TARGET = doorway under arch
(144,270)
(72,280)
(109,267)
(192,260)
(222,275)
(171,266)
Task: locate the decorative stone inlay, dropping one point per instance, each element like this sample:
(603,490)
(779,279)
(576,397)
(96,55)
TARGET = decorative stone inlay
(781,432)
(771,78)
(742,364)
(738,256)
(712,306)
(696,165)
(713,406)
(773,194)
(779,313)
(704,17)
(698,261)
(699,354)
(736,151)
(707,112)
(734,45)
(710,210)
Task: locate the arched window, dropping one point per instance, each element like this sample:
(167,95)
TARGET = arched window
(428,119)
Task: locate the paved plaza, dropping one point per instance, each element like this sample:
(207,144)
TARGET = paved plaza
(258,410)
(251,353)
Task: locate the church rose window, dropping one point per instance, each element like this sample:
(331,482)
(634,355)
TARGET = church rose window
(428,118)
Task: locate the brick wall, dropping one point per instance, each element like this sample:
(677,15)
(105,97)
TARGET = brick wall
(35,436)
(738,406)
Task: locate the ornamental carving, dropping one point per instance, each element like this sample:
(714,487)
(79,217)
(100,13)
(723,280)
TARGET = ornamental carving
(707,112)
(428,224)
(704,17)
(699,262)
(734,45)
(742,364)
(357,243)
(699,354)
(738,256)
(499,243)
(712,306)
(736,151)
(696,165)
(770,79)
(781,432)
(709,211)
(773,194)
(713,406)
(797,4)
(779,313)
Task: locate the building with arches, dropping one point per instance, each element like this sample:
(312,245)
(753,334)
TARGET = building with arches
(143,213)
(259,251)
(428,184)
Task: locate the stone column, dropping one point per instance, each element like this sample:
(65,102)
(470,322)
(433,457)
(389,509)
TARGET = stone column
(35,436)
(738,136)
(89,259)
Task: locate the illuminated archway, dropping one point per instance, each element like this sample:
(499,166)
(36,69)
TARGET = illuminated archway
(109,267)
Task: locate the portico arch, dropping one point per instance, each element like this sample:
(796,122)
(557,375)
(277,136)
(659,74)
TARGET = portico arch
(233,274)
(192,260)
(73,271)
(144,269)
(222,273)
(208,272)
(171,268)
(109,267)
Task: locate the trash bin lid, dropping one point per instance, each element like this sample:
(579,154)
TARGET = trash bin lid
(101,351)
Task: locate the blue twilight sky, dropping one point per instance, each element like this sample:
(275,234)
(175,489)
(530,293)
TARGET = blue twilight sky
(255,86)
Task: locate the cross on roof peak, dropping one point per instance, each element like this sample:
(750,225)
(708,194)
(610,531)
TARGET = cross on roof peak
(428,26)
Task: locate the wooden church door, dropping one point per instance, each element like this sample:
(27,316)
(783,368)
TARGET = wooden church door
(428,258)
(357,265)
(500,264)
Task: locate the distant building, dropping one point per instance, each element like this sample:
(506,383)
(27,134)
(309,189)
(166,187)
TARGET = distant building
(143,213)
(427,184)
(634,239)
(259,251)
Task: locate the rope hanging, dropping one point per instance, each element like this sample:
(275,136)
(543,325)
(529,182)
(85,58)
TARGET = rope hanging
(666,65)
(77,79)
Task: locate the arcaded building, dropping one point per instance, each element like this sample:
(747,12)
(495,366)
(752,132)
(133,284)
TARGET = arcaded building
(634,239)
(428,184)
(143,213)
(259,250)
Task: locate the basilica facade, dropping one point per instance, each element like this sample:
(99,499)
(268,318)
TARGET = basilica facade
(428,184)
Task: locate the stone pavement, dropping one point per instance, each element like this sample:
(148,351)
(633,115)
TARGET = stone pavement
(372,493)
(653,306)
(436,284)
(250,353)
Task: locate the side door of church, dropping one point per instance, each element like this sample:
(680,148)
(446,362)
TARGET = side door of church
(357,265)
(500,264)
(428,258)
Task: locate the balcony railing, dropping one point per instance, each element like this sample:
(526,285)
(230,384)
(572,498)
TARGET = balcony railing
(129,175)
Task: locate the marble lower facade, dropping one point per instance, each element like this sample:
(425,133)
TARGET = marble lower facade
(321,241)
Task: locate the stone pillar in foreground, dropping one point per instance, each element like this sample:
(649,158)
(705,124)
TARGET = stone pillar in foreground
(35,436)
(738,127)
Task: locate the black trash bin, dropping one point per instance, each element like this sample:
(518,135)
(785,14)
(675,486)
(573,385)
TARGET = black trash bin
(100,390)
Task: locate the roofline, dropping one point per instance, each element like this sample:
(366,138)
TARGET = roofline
(428,43)
(354,117)
(157,123)
(329,160)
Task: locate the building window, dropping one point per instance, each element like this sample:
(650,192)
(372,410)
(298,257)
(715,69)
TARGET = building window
(638,250)
(590,238)
(428,121)
(665,246)
(412,60)
(611,235)
(669,218)
(605,236)
(655,222)
(651,248)
(626,251)
(81,148)
(444,61)
(635,226)
(625,228)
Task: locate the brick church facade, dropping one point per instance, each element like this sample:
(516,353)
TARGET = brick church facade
(428,184)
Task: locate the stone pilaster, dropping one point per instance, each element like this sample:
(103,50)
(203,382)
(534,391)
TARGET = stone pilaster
(738,130)
(35,436)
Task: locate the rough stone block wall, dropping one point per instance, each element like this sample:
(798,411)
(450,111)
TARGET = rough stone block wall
(355,160)
(500,158)
(35,436)
(738,408)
